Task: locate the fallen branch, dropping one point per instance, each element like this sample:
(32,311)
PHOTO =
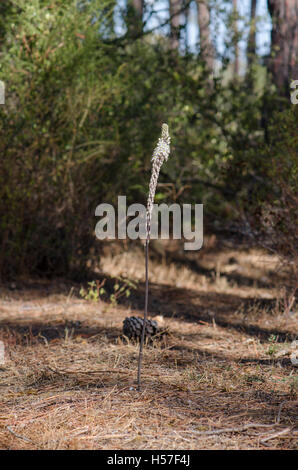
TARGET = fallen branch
(226,430)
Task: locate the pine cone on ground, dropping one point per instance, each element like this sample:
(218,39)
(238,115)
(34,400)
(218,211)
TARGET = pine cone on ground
(133,327)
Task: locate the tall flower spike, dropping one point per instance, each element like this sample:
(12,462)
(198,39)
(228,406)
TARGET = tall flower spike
(160,154)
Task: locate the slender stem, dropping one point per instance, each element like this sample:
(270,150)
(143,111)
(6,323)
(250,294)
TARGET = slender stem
(145,311)
(160,155)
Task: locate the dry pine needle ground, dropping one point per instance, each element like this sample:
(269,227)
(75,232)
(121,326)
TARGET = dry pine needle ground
(221,378)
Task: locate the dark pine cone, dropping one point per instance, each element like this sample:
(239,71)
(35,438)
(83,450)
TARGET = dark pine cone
(133,326)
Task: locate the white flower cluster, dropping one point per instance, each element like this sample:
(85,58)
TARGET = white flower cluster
(160,154)
(162,150)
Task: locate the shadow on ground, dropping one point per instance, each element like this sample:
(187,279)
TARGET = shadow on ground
(32,332)
(194,306)
(172,302)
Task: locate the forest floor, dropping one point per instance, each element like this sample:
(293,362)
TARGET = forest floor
(222,377)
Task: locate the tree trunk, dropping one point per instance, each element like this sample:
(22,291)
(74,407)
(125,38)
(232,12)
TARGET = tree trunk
(251,47)
(135,17)
(175,8)
(206,46)
(186,26)
(235,34)
(284,43)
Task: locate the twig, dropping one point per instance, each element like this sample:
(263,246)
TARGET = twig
(280,408)
(277,434)
(100,371)
(18,435)
(279,411)
(110,436)
(236,429)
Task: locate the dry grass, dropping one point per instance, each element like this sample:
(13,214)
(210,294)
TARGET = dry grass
(221,379)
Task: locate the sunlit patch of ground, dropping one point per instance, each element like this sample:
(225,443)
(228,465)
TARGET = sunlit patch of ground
(221,378)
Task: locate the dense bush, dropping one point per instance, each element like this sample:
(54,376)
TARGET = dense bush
(271,205)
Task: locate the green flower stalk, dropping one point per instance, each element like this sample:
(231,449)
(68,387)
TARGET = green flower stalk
(160,155)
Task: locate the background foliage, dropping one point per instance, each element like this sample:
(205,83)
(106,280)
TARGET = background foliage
(83,111)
